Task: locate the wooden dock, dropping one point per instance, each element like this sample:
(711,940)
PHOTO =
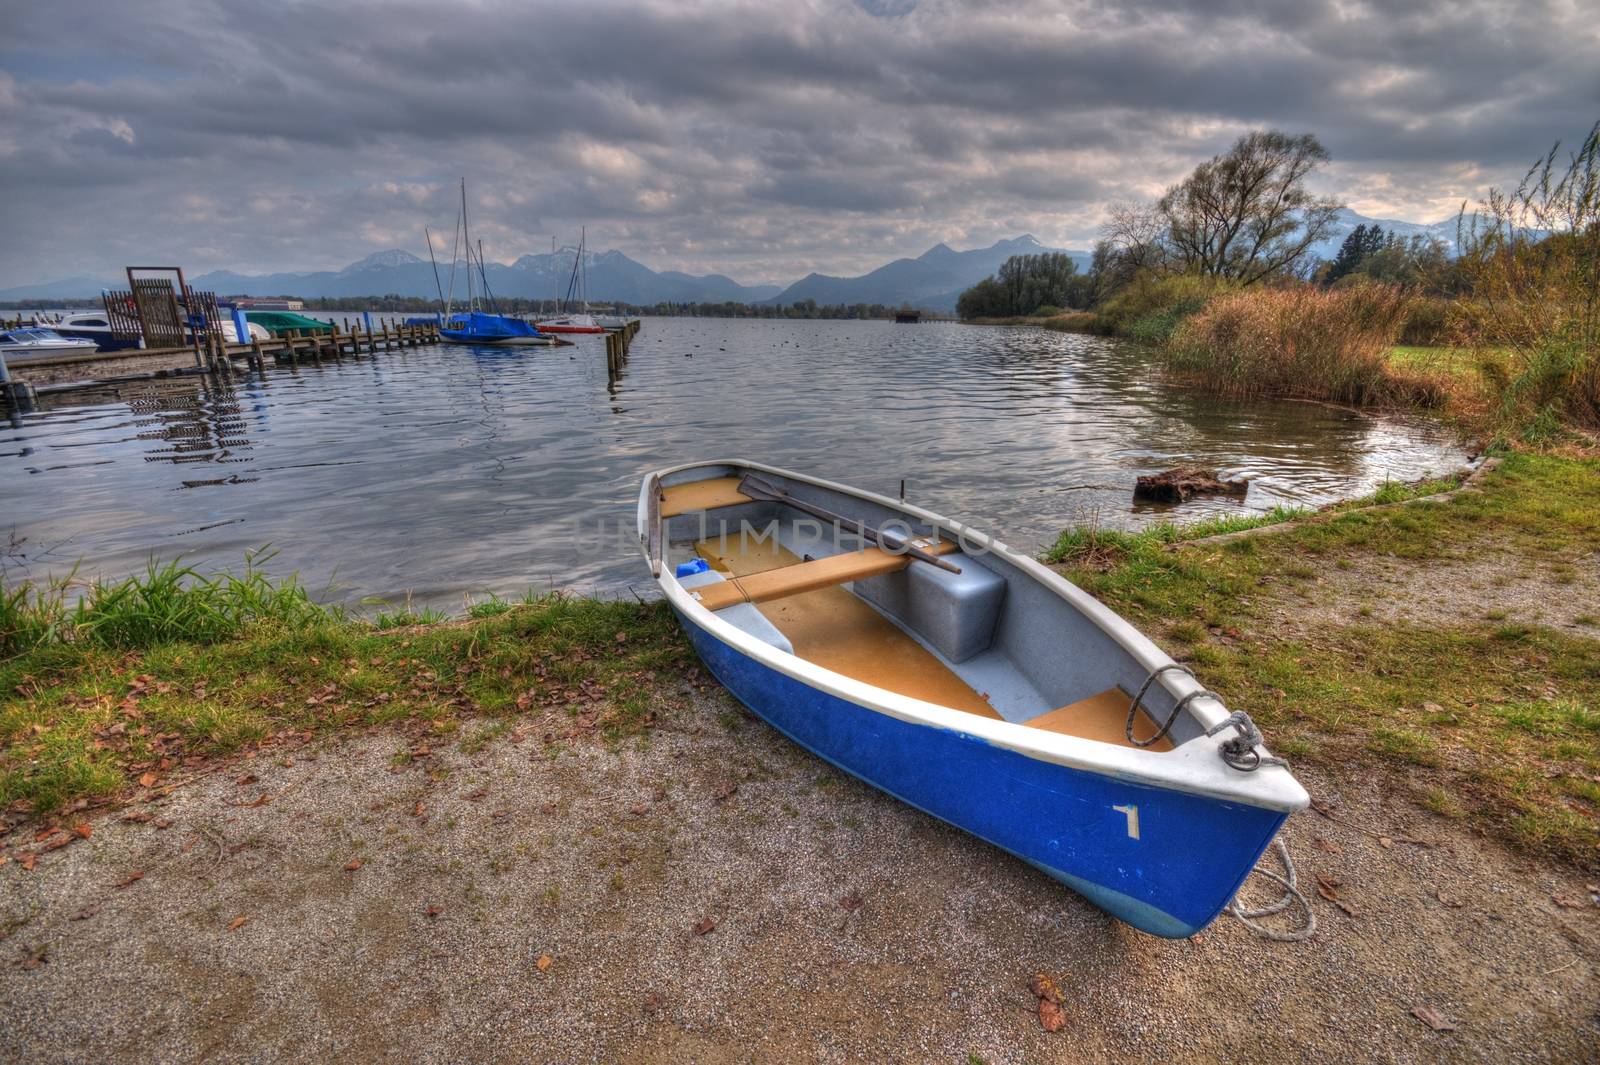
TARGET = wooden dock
(49,373)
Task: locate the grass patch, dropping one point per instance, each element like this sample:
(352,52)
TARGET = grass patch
(142,677)
(1092,543)
(1491,720)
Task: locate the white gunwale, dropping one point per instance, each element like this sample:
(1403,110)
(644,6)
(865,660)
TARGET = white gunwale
(1195,767)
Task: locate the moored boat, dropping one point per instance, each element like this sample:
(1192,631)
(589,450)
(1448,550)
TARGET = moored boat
(475,327)
(17,345)
(572,323)
(95,327)
(577,294)
(969,681)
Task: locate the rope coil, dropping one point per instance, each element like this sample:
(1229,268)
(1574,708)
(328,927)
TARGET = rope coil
(1292,895)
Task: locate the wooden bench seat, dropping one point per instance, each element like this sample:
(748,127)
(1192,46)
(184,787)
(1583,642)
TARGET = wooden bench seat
(804,577)
(702,495)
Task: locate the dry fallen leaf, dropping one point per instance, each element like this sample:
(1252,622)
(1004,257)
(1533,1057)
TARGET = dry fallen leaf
(705,926)
(1323,808)
(33,959)
(83,830)
(1433,1018)
(131,878)
(433,911)
(543,963)
(1326,846)
(1043,986)
(1328,888)
(87,912)
(148,780)
(1051,1019)
(28,860)
(238,923)
(1385,842)
(1570,902)
(137,816)
(352,865)
(1447,899)
(851,902)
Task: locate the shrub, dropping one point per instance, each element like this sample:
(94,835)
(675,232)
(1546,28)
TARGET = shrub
(1151,307)
(1323,343)
(1532,256)
(1428,321)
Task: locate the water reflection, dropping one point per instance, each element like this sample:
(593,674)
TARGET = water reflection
(451,470)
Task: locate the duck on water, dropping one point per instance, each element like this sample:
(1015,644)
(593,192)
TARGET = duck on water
(969,681)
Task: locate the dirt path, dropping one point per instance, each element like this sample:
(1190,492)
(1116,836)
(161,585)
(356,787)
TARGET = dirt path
(847,927)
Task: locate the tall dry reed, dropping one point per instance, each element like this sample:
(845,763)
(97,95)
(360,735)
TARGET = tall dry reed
(1300,340)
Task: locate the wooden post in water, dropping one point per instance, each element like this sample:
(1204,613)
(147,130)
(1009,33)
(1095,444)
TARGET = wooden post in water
(255,355)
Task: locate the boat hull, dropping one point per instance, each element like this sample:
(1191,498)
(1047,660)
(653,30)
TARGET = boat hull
(1169,868)
(546,327)
(451,337)
(103,339)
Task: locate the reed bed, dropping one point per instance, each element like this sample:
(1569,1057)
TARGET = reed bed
(1330,344)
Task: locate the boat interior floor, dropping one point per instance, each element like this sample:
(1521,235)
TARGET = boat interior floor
(839,631)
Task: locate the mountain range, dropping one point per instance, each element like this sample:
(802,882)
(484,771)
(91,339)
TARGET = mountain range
(932,280)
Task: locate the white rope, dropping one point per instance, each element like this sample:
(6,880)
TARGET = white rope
(1292,894)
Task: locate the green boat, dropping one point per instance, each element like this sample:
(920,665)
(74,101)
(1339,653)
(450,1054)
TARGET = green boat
(281,323)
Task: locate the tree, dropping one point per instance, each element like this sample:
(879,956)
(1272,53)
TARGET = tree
(1023,284)
(1420,261)
(1133,241)
(1247,215)
(1361,244)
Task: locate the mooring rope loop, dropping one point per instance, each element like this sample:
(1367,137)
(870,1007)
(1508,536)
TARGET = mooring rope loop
(1292,895)
(1240,752)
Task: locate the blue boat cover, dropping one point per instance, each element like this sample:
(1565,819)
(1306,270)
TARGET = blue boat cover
(475,325)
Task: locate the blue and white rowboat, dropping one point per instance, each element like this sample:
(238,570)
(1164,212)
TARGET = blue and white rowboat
(996,698)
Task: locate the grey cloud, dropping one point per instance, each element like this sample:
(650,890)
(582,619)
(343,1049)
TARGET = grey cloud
(761,141)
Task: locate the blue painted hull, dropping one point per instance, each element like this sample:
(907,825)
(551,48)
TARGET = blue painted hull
(1189,857)
(102,338)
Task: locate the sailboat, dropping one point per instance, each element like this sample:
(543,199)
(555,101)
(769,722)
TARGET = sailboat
(476,325)
(578,284)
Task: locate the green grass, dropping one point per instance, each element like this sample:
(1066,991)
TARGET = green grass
(1093,542)
(1492,720)
(1446,361)
(146,675)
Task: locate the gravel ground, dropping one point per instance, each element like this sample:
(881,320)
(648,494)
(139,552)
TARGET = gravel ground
(712,893)
(1481,586)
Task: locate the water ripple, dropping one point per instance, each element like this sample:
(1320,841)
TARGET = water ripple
(444,471)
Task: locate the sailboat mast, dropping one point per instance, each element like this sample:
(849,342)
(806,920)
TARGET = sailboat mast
(583,284)
(437,287)
(466,235)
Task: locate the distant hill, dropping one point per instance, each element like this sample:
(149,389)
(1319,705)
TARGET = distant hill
(932,280)
(611,274)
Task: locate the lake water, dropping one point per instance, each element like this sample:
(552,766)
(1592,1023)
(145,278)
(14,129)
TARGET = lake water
(442,472)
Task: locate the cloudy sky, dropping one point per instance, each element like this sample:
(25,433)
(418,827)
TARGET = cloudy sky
(761,140)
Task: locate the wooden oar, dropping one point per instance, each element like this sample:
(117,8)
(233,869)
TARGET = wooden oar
(756,488)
